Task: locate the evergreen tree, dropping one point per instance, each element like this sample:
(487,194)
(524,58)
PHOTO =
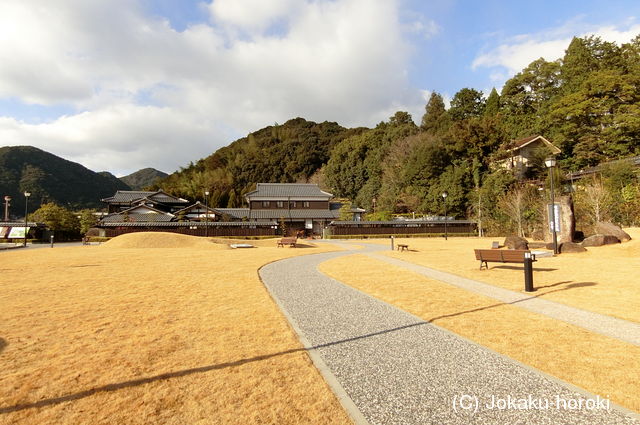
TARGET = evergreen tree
(467,103)
(493,103)
(435,111)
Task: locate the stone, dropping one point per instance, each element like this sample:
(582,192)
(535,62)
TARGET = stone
(599,240)
(567,221)
(604,228)
(515,242)
(571,247)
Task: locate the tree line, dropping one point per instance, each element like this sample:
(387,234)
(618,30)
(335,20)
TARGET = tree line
(586,103)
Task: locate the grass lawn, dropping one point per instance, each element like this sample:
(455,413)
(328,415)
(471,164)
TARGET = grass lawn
(599,364)
(603,279)
(179,335)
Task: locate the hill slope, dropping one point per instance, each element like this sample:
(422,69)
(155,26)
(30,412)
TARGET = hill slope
(50,178)
(143,178)
(287,153)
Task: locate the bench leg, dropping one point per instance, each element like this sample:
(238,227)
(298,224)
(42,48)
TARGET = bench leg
(486,265)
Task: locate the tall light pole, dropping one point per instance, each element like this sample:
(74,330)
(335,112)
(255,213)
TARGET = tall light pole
(444,198)
(26,203)
(551,163)
(206,213)
(7,200)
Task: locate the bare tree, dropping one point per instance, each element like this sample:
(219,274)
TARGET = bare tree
(596,200)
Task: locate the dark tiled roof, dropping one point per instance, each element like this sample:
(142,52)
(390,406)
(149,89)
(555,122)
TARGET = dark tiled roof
(198,205)
(238,213)
(130,196)
(295,214)
(298,190)
(137,218)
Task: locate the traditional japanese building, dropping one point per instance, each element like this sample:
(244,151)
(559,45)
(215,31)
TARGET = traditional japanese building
(160,200)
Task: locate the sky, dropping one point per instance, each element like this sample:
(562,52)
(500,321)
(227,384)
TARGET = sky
(120,85)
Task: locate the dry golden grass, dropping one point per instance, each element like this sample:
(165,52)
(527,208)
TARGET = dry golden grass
(603,280)
(106,335)
(599,364)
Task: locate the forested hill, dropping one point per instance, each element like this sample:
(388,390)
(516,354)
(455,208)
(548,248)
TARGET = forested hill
(587,103)
(50,178)
(283,153)
(144,178)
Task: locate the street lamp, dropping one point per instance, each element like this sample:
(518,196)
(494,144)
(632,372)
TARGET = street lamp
(26,203)
(7,200)
(551,163)
(206,213)
(444,198)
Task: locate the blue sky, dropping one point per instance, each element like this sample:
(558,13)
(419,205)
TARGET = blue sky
(127,84)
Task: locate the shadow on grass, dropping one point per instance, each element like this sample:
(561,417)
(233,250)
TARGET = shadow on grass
(535,269)
(488,307)
(186,372)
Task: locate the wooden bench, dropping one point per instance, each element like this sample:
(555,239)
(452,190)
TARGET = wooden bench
(402,247)
(291,241)
(501,256)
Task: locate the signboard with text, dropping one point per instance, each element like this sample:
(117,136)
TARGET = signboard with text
(17,232)
(556,211)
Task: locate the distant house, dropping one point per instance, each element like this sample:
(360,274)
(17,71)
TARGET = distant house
(522,153)
(303,207)
(160,200)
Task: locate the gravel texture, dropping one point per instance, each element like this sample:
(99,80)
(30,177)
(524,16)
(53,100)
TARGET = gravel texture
(398,369)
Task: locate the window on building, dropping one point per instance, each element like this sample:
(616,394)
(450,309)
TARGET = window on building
(265,204)
(305,204)
(280,204)
(292,204)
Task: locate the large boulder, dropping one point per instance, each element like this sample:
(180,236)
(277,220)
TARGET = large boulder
(599,240)
(603,228)
(516,242)
(571,247)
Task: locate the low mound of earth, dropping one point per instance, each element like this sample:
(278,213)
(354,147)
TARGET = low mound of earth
(160,240)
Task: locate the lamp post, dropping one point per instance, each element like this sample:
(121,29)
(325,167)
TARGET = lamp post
(7,200)
(551,163)
(206,213)
(444,198)
(26,203)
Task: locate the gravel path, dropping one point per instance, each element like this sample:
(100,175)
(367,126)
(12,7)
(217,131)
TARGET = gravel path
(594,322)
(398,369)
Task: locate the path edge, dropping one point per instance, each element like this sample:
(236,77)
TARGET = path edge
(332,381)
(632,414)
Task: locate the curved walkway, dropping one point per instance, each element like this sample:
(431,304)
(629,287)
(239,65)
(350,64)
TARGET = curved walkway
(390,367)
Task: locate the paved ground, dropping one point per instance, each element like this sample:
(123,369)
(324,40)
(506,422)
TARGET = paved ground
(593,322)
(398,369)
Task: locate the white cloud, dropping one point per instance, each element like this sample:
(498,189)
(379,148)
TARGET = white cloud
(148,95)
(251,15)
(518,52)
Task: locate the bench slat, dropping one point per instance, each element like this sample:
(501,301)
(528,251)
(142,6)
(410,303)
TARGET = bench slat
(501,256)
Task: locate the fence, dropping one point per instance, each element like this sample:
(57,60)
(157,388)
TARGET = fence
(375,228)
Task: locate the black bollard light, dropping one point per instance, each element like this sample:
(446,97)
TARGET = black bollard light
(528,272)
